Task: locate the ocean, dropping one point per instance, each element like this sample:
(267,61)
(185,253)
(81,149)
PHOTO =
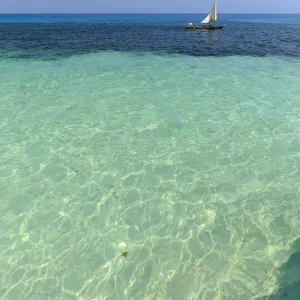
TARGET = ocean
(142,161)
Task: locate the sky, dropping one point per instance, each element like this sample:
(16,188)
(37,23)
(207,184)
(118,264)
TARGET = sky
(148,6)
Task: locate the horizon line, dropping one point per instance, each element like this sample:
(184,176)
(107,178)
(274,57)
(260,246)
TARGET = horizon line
(223,13)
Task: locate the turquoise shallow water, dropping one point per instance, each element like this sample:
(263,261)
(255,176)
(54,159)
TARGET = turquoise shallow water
(191,164)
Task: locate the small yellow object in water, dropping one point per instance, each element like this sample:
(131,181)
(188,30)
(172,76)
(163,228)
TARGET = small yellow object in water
(124,254)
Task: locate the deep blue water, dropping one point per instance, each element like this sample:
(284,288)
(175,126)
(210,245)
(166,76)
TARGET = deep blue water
(55,36)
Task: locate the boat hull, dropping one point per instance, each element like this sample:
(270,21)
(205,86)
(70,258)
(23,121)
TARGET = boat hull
(205,27)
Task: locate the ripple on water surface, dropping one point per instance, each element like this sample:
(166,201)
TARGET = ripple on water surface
(195,176)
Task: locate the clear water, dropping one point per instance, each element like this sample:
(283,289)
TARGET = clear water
(191,164)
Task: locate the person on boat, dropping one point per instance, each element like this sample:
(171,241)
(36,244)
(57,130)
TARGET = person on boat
(191,25)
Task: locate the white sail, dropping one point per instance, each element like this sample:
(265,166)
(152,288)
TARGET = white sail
(212,17)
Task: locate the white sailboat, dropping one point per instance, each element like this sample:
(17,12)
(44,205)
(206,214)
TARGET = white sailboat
(210,19)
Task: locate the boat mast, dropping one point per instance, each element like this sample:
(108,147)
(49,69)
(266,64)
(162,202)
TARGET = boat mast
(212,16)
